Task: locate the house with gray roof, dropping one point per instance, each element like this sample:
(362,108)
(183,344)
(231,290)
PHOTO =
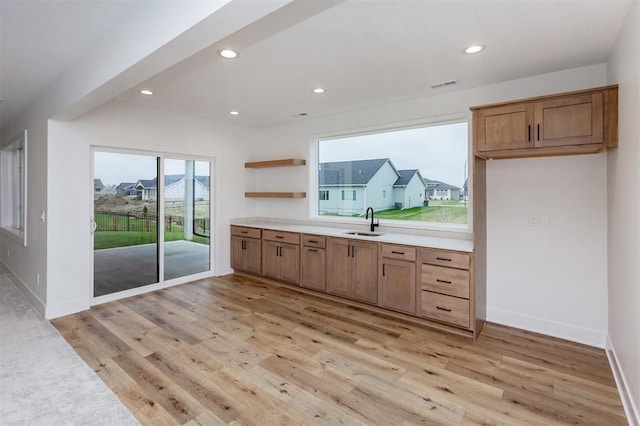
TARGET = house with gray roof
(126,188)
(409,189)
(98,186)
(174,188)
(349,187)
(437,190)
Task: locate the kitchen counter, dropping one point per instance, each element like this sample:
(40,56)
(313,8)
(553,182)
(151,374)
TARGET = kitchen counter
(334,231)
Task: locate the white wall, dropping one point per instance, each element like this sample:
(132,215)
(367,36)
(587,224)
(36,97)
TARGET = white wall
(624,209)
(120,125)
(553,290)
(27,262)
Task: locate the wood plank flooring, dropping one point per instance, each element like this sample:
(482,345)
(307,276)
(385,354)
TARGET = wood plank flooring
(234,350)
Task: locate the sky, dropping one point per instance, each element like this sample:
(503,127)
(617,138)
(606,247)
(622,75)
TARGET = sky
(439,152)
(113,168)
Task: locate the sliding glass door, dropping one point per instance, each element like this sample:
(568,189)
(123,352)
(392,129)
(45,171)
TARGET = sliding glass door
(186,217)
(125,205)
(136,243)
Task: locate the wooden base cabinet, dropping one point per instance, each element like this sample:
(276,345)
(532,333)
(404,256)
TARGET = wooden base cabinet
(398,278)
(313,262)
(246,249)
(281,256)
(445,284)
(352,269)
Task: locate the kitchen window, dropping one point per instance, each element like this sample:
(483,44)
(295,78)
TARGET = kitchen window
(410,176)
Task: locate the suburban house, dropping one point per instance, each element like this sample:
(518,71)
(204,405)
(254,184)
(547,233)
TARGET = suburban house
(437,190)
(98,186)
(251,88)
(174,186)
(375,183)
(127,188)
(409,189)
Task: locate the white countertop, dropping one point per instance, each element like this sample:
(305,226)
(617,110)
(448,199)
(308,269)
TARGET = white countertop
(465,245)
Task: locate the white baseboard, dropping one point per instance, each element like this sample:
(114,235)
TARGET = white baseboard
(550,328)
(33,298)
(630,408)
(66,308)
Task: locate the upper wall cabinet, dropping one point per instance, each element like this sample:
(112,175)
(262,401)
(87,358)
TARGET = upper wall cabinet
(581,122)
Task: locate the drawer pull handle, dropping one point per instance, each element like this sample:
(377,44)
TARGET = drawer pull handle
(313,241)
(397,252)
(529,127)
(443,258)
(443,309)
(538,132)
(384,270)
(244,232)
(443,281)
(313,250)
(279,237)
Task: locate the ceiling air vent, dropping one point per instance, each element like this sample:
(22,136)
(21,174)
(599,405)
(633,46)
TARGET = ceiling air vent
(444,84)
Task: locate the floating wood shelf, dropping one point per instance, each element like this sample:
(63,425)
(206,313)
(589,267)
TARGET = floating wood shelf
(275,163)
(275,194)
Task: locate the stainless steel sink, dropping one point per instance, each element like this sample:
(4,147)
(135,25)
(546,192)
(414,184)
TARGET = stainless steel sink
(364,233)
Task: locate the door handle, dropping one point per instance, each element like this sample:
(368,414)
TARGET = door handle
(94,225)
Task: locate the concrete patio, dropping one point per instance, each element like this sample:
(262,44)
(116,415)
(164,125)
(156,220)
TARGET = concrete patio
(123,268)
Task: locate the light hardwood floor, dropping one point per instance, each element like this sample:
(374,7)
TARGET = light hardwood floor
(234,350)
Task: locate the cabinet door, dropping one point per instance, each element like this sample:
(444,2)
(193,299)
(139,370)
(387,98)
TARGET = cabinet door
(237,253)
(312,268)
(365,271)
(570,120)
(245,254)
(339,267)
(398,285)
(289,263)
(252,256)
(504,127)
(270,259)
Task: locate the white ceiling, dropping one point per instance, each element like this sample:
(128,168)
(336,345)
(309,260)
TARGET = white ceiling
(364,52)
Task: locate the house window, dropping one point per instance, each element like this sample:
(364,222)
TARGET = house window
(397,169)
(348,195)
(324,195)
(13,188)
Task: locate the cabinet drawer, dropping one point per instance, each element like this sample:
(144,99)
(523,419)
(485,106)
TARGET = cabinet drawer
(399,252)
(451,259)
(313,241)
(445,308)
(451,281)
(243,231)
(280,236)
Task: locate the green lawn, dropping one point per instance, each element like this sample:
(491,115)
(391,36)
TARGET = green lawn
(445,211)
(111,239)
(439,214)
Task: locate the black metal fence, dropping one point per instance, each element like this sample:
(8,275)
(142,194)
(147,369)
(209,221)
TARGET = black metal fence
(141,222)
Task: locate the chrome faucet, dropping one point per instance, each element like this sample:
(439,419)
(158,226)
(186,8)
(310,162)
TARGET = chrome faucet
(373,225)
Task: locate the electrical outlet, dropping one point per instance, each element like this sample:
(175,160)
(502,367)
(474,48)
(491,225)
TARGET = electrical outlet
(534,220)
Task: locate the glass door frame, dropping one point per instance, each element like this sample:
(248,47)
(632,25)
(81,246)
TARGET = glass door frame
(213,206)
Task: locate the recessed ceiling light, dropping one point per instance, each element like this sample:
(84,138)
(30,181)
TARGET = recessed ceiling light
(146,92)
(318,90)
(228,53)
(234,112)
(475,48)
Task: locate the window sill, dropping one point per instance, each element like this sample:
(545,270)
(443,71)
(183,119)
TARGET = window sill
(15,234)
